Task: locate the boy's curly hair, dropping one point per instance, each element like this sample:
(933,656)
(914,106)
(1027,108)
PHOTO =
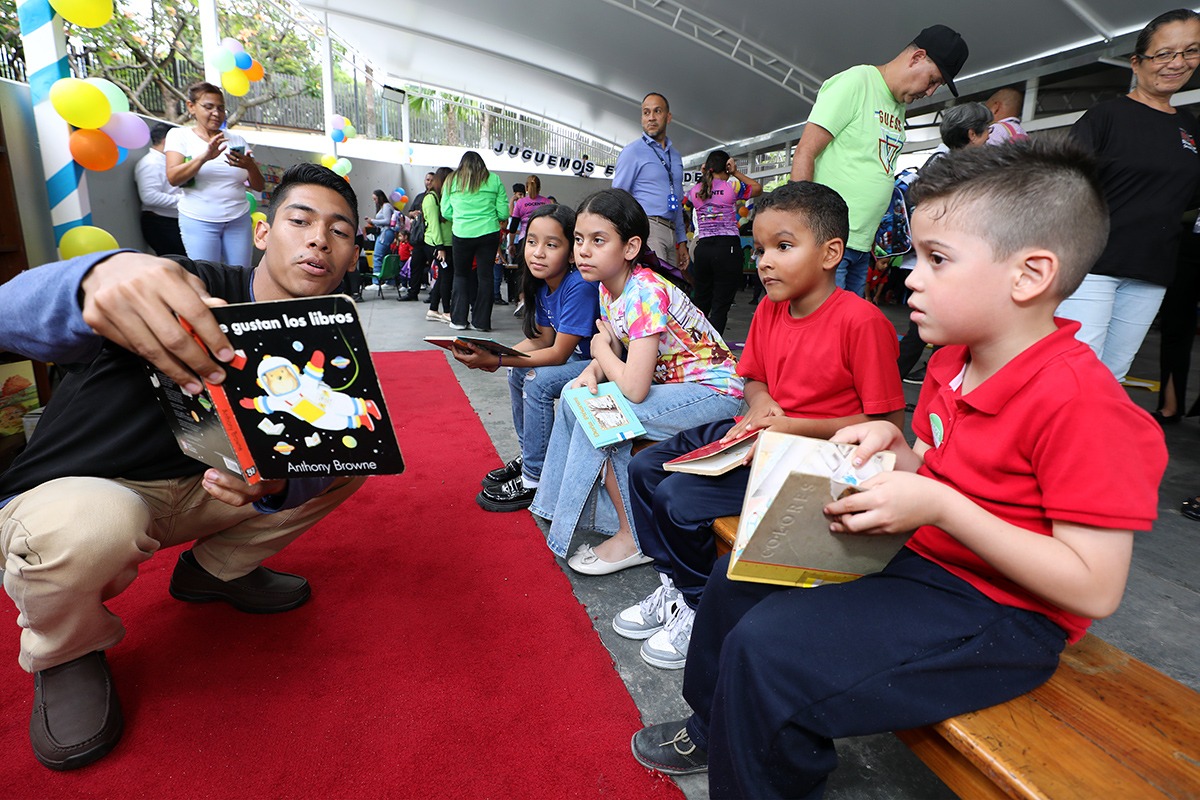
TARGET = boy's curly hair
(822,210)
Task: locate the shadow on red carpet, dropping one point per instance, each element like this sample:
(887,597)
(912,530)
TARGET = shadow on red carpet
(443,654)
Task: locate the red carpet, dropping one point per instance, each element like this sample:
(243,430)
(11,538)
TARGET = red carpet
(442,655)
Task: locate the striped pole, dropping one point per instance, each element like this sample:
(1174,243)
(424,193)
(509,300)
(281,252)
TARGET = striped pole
(45,62)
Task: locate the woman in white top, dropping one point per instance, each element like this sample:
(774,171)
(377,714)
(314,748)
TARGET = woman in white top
(214,214)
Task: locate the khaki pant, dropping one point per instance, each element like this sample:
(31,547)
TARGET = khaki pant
(662,241)
(72,544)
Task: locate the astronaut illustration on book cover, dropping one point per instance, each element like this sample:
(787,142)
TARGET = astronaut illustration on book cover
(305,395)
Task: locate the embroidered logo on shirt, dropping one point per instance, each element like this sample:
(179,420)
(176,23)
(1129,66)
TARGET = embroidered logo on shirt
(1188,142)
(935,423)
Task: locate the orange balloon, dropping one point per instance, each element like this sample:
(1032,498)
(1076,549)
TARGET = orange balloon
(255,71)
(93,150)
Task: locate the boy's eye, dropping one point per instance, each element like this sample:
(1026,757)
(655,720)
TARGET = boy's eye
(784,245)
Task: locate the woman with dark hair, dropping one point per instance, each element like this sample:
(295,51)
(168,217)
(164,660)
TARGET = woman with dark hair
(1149,171)
(717,260)
(382,222)
(214,212)
(474,201)
(437,248)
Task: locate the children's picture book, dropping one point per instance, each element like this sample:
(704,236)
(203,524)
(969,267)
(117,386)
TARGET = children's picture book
(783,536)
(606,416)
(715,458)
(482,342)
(300,398)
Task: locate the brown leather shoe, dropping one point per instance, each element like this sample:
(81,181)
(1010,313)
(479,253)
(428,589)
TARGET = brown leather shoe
(263,591)
(76,714)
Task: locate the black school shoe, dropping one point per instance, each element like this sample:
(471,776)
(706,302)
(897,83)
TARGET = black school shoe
(668,749)
(508,496)
(503,474)
(76,714)
(262,591)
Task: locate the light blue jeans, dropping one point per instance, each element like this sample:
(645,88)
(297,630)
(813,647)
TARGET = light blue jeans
(223,242)
(1114,315)
(533,391)
(852,271)
(571,482)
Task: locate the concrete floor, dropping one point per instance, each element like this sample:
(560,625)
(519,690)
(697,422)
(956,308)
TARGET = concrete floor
(1157,621)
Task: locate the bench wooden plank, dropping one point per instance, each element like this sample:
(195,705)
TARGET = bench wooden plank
(1105,725)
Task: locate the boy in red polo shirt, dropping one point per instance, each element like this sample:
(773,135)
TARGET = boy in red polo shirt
(1024,515)
(816,360)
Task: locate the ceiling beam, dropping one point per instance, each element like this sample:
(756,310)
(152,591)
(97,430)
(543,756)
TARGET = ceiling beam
(1080,9)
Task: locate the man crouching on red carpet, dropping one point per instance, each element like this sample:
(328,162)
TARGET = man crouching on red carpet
(103,485)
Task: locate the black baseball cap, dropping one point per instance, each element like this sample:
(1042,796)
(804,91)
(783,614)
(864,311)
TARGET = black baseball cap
(946,49)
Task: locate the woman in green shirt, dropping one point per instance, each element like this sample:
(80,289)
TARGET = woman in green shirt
(475,202)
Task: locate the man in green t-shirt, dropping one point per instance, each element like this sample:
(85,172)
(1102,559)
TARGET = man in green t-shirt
(856,130)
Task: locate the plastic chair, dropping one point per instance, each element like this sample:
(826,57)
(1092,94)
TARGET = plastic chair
(390,271)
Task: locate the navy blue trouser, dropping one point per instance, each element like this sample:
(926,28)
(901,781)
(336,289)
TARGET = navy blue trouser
(673,511)
(775,674)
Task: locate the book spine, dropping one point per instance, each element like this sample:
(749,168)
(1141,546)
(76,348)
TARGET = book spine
(233,431)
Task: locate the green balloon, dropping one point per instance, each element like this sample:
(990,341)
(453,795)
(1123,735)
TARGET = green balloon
(350,131)
(222,59)
(116,98)
(253,202)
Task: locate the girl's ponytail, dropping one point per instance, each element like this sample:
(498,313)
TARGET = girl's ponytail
(715,162)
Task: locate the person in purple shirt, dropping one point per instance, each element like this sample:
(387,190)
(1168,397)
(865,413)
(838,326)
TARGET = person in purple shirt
(651,170)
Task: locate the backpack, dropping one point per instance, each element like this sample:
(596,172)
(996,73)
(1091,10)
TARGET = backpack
(894,236)
(416,231)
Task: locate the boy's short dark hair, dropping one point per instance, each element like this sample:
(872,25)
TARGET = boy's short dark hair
(1023,194)
(301,174)
(823,210)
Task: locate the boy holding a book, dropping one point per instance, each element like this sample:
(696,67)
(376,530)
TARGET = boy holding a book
(817,359)
(103,483)
(1024,515)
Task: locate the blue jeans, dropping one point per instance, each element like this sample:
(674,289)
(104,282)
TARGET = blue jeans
(571,477)
(1114,315)
(382,244)
(533,391)
(775,674)
(852,271)
(222,242)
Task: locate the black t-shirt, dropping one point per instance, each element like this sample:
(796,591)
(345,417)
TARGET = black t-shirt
(1150,171)
(104,420)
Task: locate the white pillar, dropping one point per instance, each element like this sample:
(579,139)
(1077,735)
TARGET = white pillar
(327,78)
(210,38)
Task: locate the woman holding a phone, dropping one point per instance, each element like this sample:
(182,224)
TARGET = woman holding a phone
(214,168)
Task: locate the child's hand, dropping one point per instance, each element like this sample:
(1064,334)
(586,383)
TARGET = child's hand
(475,357)
(871,438)
(893,502)
(758,417)
(605,338)
(586,378)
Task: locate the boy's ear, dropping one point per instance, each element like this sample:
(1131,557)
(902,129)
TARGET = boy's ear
(832,253)
(1036,276)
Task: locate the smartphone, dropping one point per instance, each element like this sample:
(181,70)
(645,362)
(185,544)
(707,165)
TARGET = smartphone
(240,149)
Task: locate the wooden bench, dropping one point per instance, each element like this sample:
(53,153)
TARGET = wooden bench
(1104,726)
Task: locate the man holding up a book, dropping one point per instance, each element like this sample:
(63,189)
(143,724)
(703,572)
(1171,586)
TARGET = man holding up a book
(103,484)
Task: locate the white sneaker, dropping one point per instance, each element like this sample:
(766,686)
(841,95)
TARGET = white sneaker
(460,327)
(520,307)
(648,617)
(668,648)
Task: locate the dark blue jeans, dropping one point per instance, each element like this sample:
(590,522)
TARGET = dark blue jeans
(852,271)
(775,674)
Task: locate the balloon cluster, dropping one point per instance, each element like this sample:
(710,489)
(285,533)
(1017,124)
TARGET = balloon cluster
(84,13)
(107,130)
(340,128)
(237,67)
(398,196)
(340,166)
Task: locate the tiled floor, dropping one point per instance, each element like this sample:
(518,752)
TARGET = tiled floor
(1157,621)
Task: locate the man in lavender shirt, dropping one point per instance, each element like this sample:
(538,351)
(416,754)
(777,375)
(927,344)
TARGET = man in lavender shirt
(1005,105)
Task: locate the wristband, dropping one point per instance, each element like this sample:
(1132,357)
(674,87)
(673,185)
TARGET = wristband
(501,357)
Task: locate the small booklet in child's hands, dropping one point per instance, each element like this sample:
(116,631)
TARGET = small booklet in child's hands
(300,398)
(606,416)
(482,342)
(715,458)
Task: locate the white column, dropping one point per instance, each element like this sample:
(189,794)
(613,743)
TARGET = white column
(327,77)
(210,38)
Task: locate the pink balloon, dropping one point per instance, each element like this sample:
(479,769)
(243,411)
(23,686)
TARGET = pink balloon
(127,130)
(233,45)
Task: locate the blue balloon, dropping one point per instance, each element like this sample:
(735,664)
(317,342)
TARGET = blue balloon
(338,136)
(243,60)
(400,191)
(122,154)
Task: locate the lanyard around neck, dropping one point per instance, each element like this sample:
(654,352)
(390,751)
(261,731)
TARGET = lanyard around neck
(661,160)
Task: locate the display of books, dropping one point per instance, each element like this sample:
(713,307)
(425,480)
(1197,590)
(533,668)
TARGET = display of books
(606,416)
(715,458)
(783,535)
(300,398)
(482,342)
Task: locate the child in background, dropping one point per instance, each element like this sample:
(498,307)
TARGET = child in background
(663,355)
(558,341)
(1021,489)
(817,359)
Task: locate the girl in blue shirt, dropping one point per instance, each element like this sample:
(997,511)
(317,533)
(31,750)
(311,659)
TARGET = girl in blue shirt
(557,338)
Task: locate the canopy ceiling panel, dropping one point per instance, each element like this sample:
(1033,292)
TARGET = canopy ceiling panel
(732,70)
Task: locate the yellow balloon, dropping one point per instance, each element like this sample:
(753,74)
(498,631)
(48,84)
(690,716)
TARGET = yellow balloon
(84,13)
(80,103)
(85,239)
(328,161)
(235,82)
(258,217)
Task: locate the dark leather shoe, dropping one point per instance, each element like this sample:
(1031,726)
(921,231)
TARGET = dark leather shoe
(668,749)
(508,496)
(76,714)
(263,591)
(501,474)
